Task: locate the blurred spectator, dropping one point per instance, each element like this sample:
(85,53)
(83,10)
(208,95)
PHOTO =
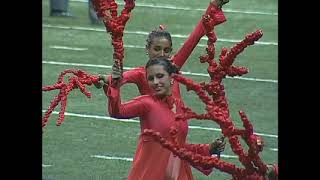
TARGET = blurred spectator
(92,14)
(60,8)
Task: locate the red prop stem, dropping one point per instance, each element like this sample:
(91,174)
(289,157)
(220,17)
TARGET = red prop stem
(114,24)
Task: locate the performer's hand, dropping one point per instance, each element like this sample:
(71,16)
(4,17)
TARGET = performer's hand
(271,174)
(219,3)
(218,145)
(116,72)
(103,80)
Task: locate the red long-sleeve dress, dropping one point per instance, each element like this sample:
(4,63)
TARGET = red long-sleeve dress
(151,160)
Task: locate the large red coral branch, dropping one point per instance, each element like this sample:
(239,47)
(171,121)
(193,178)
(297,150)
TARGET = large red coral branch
(218,111)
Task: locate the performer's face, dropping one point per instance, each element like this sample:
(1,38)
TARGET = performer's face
(160,47)
(159,80)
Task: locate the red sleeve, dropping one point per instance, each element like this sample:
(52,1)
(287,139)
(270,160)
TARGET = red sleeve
(184,52)
(202,149)
(133,108)
(216,13)
(133,76)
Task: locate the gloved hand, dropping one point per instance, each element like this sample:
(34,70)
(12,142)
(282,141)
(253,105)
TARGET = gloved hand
(219,3)
(116,73)
(272,173)
(217,145)
(103,80)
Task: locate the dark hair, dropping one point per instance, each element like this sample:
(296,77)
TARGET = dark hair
(166,63)
(158,33)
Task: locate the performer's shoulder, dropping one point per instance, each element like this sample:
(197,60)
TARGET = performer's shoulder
(143,97)
(140,68)
(146,100)
(137,70)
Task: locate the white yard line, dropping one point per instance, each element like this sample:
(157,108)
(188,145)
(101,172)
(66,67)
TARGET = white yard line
(112,157)
(188,8)
(146,33)
(136,121)
(274,149)
(68,48)
(129,68)
(134,46)
(131,159)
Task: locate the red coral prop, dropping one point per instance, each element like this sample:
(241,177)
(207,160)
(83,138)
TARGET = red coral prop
(79,81)
(114,24)
(218,111)
(107,11)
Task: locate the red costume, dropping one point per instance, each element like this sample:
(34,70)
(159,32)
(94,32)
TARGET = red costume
(151,160)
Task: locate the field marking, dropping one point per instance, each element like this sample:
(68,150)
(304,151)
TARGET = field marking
(146,33)
(112,158)
(274,149)
(68,48)
(136,121)
(189,8)
(134,46)
(45,165)
(131,159)
(127,46)
(129,68)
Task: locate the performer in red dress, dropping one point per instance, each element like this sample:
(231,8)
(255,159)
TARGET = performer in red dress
(159,44)
(157,112)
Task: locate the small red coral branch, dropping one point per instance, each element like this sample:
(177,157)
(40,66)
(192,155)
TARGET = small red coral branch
(79,81)
(107,11)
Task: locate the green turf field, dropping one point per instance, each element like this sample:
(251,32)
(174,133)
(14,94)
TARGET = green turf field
(71,151)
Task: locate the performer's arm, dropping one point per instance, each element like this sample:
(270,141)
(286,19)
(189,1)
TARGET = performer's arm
(207,150)
(133,76)
(132,108)
(184,52)
(216,146)
(130,76)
